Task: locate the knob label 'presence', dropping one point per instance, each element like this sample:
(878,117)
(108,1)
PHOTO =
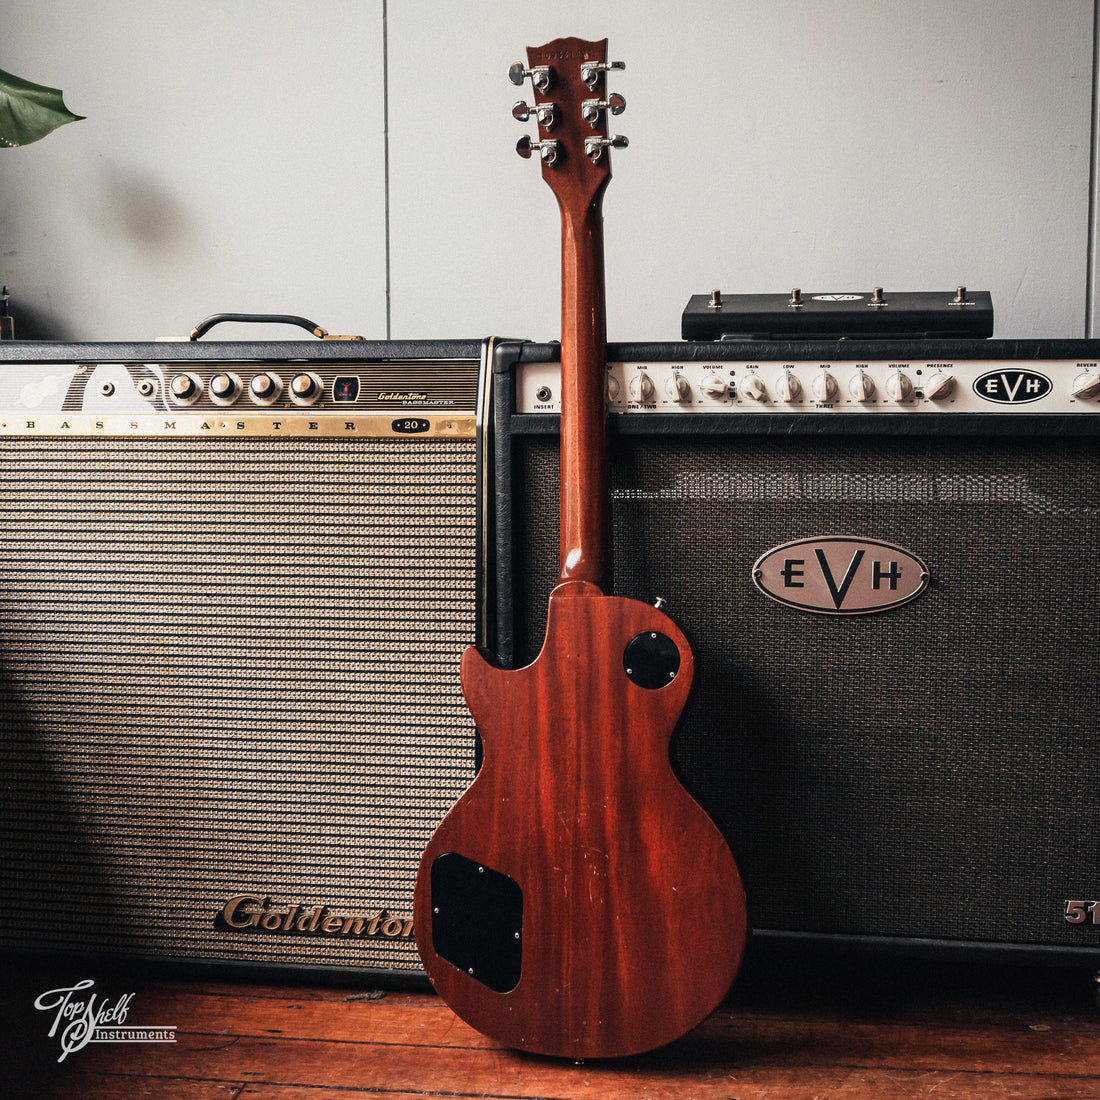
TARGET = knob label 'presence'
(834,575)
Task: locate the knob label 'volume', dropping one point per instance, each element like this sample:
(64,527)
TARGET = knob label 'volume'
(834,575)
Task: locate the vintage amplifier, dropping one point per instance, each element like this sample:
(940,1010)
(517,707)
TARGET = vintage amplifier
(885,557)
(236,581)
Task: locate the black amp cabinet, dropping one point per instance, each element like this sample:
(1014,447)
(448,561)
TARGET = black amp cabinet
(887,559)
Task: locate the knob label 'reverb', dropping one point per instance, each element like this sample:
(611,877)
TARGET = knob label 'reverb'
(835,575)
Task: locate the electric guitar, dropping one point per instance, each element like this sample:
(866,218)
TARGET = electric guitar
(576,901)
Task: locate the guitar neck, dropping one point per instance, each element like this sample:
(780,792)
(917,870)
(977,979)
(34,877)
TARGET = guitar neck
(568,77)
(585,485)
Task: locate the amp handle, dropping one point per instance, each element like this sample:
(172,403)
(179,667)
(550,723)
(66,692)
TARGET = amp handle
(203,327)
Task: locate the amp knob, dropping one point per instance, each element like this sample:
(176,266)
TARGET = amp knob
(185,389)
(1085,386)
(824,388)
(788,387)
(898,387)
(265,388)
(714,386)
(862,386)
(305,389)
(754,389)
(641,388)
(613,388)
(677,388)
(225,388)
(940,385)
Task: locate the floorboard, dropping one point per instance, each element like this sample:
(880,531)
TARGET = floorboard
(794,1029)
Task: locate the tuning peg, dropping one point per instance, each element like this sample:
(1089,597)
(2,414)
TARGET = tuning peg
(546,113)
(540,75)
(548,150)
(594,146)
(590,70)
(591,108)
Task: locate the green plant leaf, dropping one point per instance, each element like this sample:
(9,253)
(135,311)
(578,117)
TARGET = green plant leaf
(29,111)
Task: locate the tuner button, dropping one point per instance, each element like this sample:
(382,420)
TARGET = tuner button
(714,387)
(540,75)
(548,150)
(591,108)
(898,387)
(641,388)
(545,113)
(788,387)
(862,386)
(677,388)
(754,389)
(224,388)
(185,388)
(940,386)
(265,388)
(590,70)
(1085,385)
(824,388)
(594,146)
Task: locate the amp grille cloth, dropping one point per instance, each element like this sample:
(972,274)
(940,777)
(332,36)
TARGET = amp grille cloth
(932,771)
(229,667)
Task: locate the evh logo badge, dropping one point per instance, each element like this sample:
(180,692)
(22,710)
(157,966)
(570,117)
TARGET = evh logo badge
(1012,386)
(834,575)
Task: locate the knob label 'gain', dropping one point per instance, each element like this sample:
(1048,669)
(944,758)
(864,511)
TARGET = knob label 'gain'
(835,575)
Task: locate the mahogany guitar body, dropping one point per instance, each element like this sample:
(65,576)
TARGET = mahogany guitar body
(580,903)
(576,901)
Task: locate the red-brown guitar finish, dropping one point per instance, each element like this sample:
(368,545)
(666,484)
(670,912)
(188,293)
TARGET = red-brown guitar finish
(576,901)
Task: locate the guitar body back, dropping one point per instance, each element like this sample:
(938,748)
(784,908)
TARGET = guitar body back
(577,902)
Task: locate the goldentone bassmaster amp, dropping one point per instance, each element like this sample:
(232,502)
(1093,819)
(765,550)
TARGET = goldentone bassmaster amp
(236,581)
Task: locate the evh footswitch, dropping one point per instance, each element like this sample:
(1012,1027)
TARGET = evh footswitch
(804,315)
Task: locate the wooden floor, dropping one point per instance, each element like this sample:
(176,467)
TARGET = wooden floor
(807,1029)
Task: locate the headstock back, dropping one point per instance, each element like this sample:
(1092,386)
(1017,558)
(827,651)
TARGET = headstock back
(571,105)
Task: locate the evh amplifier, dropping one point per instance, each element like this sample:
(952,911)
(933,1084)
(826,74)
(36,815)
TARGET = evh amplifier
(885,556)
(235,581)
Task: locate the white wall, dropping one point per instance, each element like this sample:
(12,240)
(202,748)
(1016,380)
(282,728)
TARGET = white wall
(234,158)
(231,161)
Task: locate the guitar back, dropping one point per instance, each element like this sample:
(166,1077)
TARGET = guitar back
(576,901)
(630,918)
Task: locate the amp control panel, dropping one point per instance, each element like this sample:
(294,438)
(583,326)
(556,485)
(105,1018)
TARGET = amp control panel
(900,386)
(394,394)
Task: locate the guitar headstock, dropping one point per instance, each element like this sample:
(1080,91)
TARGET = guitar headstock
(571,106)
